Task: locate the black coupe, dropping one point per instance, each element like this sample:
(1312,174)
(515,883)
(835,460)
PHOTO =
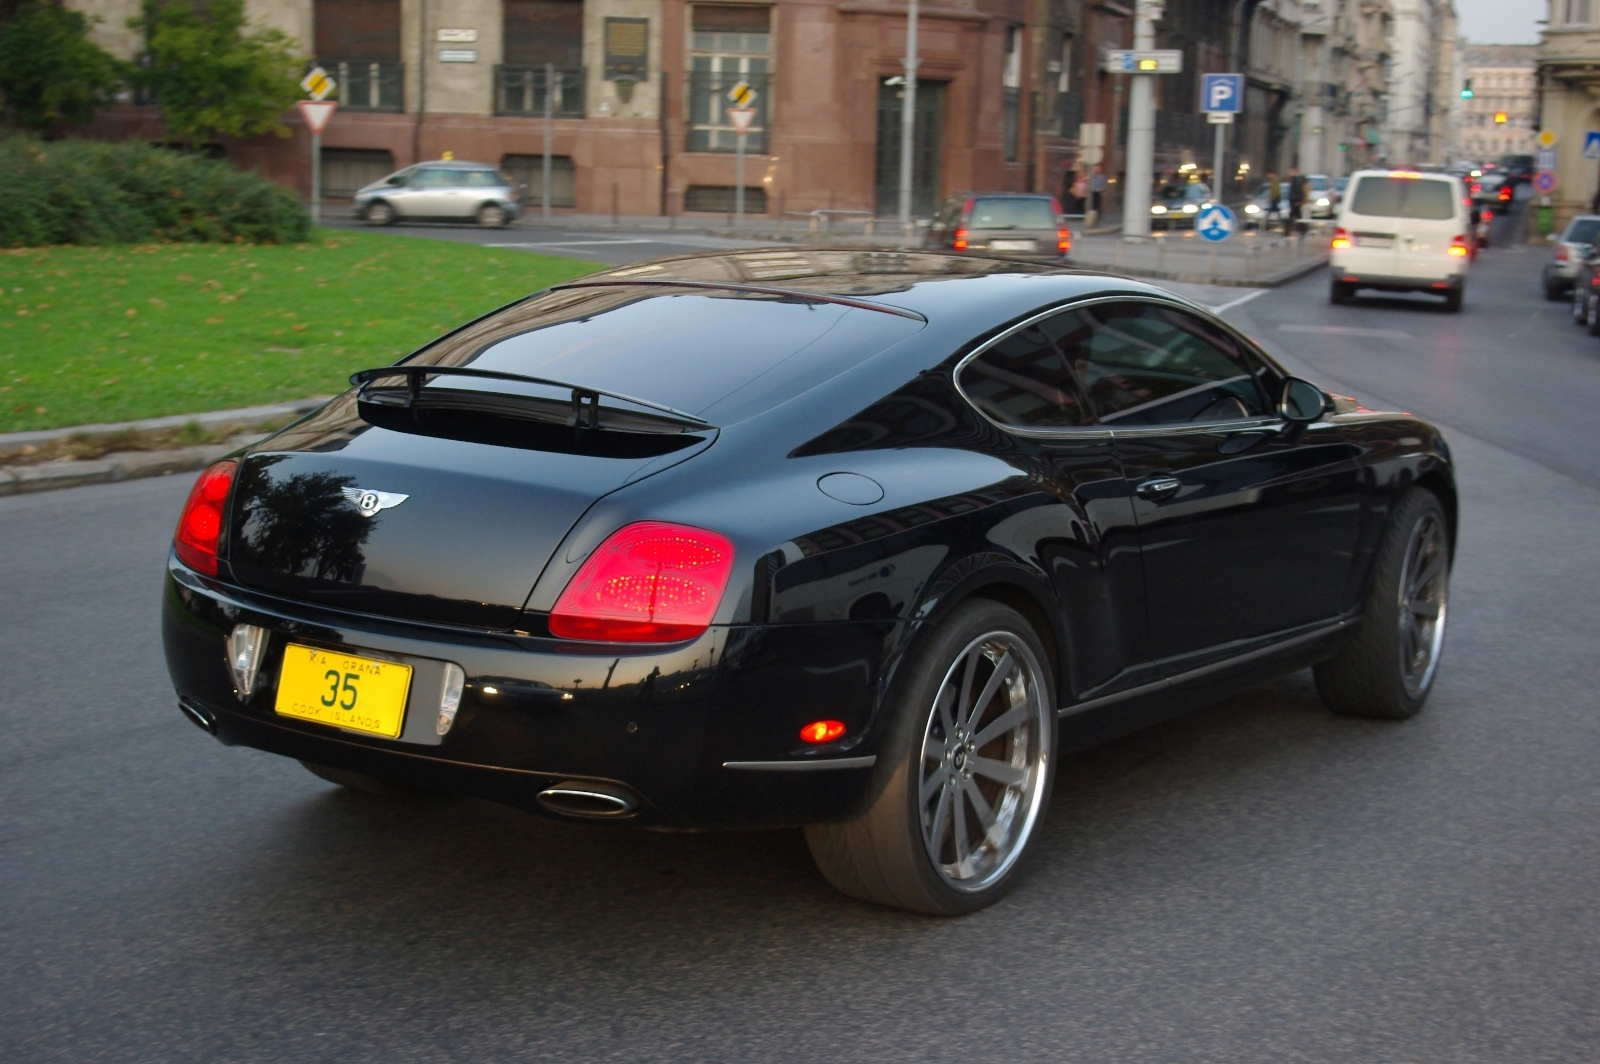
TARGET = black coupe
(854,540)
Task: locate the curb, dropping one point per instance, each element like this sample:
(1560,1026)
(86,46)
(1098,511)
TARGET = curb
(135,465)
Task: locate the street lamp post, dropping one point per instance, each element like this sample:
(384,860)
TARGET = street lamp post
(1141,129)
(908,121)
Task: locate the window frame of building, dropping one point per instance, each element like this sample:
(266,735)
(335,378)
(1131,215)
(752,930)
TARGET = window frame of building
(720,58)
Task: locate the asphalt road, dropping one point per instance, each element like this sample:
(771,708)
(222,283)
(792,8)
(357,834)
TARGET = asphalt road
(1261,881)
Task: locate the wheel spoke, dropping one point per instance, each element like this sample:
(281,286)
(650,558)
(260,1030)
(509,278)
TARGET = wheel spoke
(958,817)
(1005,722)
(1430,569)
(1000,771)
(932,749)
(930,783)
(1001,670)
(993,831)
(1428,611)
(943,702)
(967,675)
(941,812)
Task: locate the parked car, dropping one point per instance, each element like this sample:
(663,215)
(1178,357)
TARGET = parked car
(1258,208)
(859,549)
(1008,224)
(1179,203)
(1402,231)
(1571,248)
(442,191)
(1586,290)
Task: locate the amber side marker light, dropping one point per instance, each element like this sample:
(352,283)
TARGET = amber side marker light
(823,731)
(1341,238)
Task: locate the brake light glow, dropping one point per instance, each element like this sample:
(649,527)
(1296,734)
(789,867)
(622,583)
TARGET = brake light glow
(1505,193)
(822,731)
(960,241)
(649,582)
(1341,238)
(1063,240)
(1458,247)
(1561,253)
(200,525)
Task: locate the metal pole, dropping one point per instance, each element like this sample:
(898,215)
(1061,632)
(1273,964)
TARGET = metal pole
(316,179)
(908,119)
(738,182)
(1217,180)
(549,131)
(1141,134)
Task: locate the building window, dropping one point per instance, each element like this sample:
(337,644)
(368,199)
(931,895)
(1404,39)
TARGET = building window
(722,199)
(537,32)
(728,44)
(346,170)
(358,42)
(1011,91)
(528,172)
(1577,12)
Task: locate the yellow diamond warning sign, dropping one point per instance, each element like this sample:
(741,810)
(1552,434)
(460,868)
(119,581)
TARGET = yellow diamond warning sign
(318,84)
(742,94)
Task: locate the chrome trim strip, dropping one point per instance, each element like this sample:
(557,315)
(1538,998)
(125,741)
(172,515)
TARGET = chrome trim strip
(803,766)
(1207,670)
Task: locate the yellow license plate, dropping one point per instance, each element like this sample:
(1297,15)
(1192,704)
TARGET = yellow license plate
(343,690)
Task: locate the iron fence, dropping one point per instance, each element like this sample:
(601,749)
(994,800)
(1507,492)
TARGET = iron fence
(522,90)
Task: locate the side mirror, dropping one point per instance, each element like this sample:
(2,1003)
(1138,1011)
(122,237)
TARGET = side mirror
(1301,402)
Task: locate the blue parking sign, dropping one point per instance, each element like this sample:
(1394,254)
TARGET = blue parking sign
(1214,223)
(1222,93)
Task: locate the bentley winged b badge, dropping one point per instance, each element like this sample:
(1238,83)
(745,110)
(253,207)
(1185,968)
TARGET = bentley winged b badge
(370,502)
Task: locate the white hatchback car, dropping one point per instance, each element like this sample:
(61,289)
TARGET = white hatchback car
(1402,231)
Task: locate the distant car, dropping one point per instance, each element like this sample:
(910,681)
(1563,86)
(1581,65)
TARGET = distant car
(1491,191)
(1009,225)
(1402,231)
(860,544)
(1324,198)
(446,190)
(1586,290)
(1518,168)
(1569,253)
(1258,208)
(1179,203)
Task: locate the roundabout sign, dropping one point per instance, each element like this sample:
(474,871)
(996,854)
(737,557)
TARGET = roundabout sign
(1215,223)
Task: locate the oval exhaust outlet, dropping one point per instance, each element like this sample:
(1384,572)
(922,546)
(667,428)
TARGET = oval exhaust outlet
(593,800)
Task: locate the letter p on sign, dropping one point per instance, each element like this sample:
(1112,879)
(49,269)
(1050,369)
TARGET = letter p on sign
(1222,93)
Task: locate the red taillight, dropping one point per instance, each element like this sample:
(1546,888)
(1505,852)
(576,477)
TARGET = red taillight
(960,241)
(1505,193)
(649,582)
(1064,240)
(1561,253)
(1458,247)
(1341,238)
(1476,187)
(200,527)
(822,731)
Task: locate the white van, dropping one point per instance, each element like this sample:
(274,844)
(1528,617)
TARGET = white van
(1402,231)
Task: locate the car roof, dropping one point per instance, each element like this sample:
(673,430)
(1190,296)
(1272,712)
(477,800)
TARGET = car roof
(452,164)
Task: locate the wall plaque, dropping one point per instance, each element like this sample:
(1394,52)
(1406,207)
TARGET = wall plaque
(627,43)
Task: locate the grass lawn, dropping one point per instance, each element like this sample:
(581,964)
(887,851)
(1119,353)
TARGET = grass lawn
(117,333)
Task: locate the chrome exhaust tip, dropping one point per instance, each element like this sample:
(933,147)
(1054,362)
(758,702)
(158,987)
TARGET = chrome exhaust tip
(593,801)
(202,718)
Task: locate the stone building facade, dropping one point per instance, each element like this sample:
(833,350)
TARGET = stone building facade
(1568,70)
(1503,82)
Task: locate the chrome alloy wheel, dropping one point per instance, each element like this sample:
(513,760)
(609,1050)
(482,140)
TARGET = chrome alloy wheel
(983,765)
(1424,594)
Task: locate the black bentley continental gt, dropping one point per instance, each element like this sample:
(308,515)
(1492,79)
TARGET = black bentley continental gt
(853,540)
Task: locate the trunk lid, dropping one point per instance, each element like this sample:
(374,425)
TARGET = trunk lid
(345,514)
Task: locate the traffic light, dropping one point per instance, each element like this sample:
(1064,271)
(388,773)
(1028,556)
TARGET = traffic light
(1500,118)
(1466,90)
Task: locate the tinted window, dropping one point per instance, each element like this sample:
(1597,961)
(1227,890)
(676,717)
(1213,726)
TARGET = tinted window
(1012,213)
(1582,231)
(1025,380)
(1404,197)
(481,179)
(1145,364)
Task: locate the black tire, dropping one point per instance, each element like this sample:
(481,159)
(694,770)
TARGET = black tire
(1591,313)
(492,216)
(1579,297)
(360,781)
(1452,300)
(1378,673)
(378,213)
(1553,292)
(887,853)
(1341,293)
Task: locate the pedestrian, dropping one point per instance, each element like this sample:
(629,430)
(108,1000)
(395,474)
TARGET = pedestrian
(1274,198)
(1297,199)
(1594,204)
(1097,187)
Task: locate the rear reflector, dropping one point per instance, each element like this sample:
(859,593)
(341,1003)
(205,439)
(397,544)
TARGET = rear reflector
(960,241)
(822,731)
(200,525)
(1063,240)
(649,582)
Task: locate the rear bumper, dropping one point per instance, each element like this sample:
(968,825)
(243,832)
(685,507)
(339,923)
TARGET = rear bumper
(1391,283)
(704,733)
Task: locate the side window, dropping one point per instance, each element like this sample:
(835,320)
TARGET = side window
(432,179)
(1147,364)
(1026,380)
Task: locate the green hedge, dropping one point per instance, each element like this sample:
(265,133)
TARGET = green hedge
(92,192)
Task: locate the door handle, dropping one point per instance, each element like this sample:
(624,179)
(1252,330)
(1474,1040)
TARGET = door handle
(1158,487)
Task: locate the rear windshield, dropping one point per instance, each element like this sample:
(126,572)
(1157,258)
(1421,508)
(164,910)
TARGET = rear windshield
(1012,213)
(1582,231)
(1404,197)
(720,355)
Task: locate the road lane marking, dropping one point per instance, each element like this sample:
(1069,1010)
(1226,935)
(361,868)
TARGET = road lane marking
(1348,330)
(1240,301)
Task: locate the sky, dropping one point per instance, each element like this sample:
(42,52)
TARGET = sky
(1501,21)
